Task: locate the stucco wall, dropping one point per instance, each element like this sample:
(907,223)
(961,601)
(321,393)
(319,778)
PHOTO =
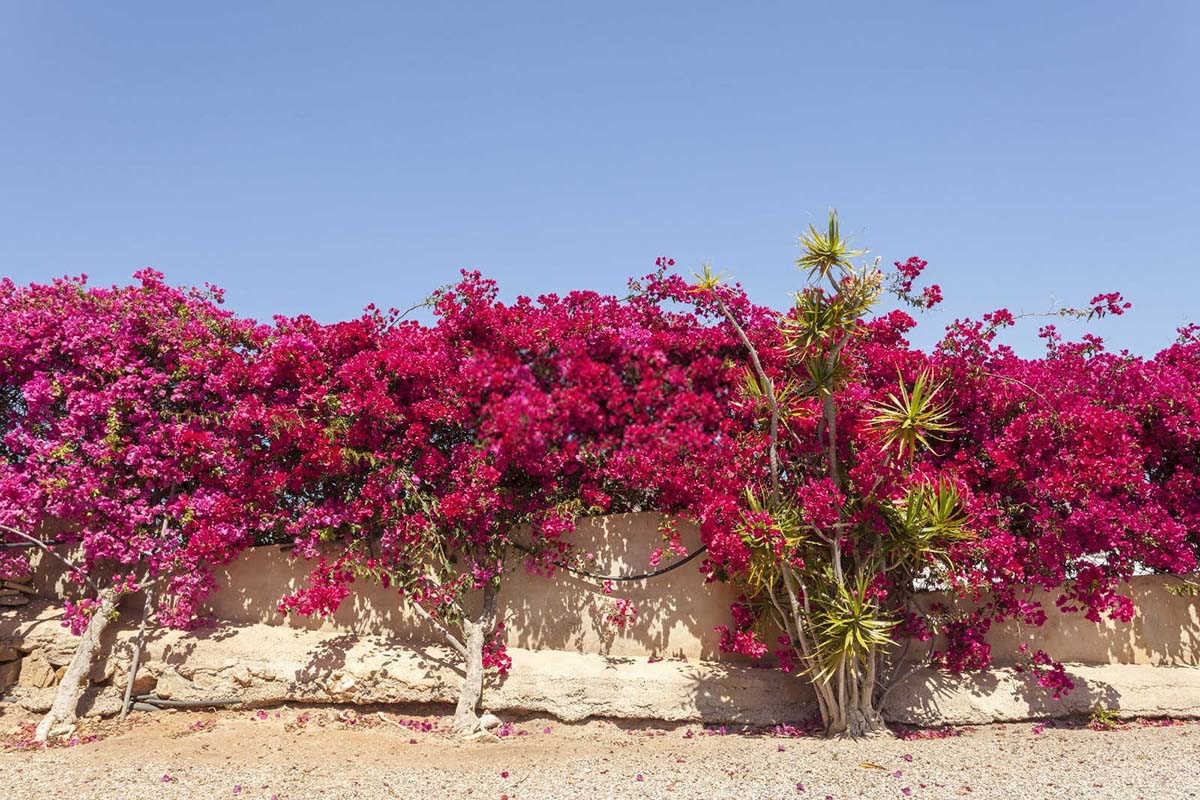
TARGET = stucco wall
(1164,631)
(676,612)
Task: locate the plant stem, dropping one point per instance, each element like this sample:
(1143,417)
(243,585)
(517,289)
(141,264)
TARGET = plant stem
(137,652)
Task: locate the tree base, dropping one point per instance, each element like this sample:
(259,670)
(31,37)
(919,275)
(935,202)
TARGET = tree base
(59,730)
(465,724)
(860,725)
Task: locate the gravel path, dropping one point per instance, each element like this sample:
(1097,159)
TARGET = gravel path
(305,753)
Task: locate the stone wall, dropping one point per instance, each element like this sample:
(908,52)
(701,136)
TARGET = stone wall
(255,665)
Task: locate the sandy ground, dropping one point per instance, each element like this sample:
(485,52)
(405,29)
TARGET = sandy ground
(293,753)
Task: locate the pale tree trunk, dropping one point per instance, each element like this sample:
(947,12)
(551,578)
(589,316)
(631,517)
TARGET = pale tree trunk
(476,630)
(863,722)
(147,608)
(855,714)
(66,698)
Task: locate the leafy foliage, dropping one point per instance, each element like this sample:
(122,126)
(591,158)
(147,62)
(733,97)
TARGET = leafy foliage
(116,441)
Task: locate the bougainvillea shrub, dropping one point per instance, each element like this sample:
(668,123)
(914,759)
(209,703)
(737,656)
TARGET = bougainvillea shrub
(371,459)
(1083,468)
(1166,405)
(432,458)
(115,445)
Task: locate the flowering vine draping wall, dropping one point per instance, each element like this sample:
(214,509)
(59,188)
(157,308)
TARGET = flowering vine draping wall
(163,434)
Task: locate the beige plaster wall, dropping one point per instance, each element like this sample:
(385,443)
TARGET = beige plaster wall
(1165,630)
(676,612)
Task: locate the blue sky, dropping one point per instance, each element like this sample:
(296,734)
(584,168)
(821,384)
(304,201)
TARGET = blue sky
(312,158)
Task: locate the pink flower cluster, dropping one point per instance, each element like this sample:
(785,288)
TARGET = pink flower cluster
(902,284)
(115,421)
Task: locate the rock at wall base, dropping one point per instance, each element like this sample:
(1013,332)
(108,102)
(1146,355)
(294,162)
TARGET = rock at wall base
(36,671)
(930,697)
(95,701)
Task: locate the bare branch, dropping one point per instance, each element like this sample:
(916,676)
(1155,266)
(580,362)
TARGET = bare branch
(768,385)
(46,549)
(458,646)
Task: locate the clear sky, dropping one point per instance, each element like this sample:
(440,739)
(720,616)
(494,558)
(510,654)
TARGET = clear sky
(314,157)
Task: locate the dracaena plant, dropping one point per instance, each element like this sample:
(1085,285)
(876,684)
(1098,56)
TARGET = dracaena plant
(873,472)
(845,515)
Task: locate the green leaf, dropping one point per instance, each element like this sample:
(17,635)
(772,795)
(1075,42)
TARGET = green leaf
(825,253)
(913,418)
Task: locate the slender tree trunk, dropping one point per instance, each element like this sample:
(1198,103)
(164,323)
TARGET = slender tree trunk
(137,652)
(466,719)
(66,699)
(863,721)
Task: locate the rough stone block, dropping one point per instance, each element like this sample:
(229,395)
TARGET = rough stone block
(36,671)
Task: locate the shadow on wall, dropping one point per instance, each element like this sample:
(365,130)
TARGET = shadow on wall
(930,697)
(252,586)
(676,612)
(743,694)
(1165,630)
